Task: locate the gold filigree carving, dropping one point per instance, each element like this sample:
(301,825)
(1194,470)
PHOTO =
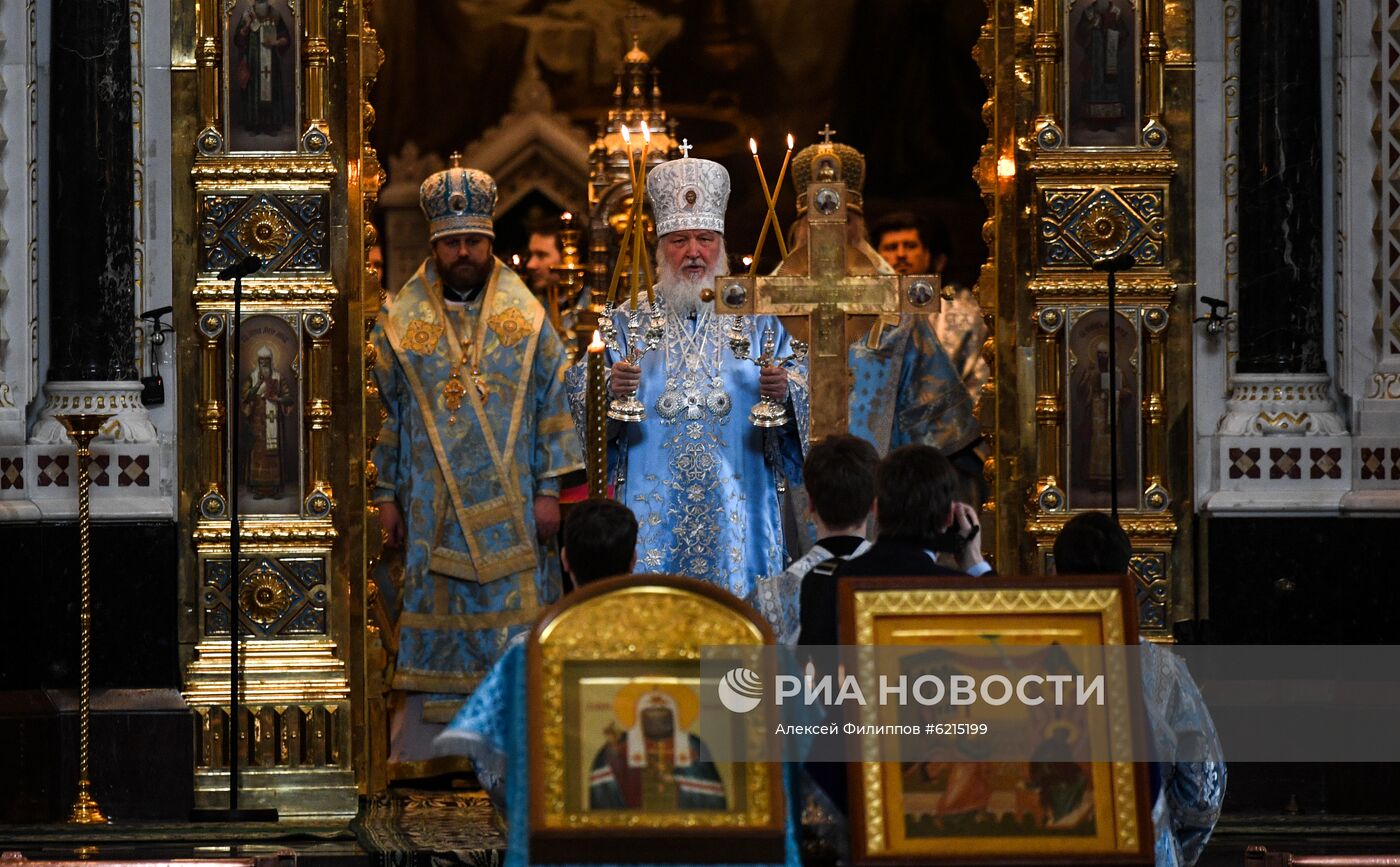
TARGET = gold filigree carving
(264,232)
(264,596)
(1093,164)
(267,533)
(1145,528)
(1105,230)
(263,172)
(320,293)
(1078,286)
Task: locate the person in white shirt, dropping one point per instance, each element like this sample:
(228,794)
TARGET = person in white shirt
(840,476)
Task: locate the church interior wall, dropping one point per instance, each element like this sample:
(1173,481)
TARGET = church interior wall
(1309,569)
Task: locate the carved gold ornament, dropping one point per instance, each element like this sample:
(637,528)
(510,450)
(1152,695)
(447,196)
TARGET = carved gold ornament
(264,231)
(1104,229)
(264,596)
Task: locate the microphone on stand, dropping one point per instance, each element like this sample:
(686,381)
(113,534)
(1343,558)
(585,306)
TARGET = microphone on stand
(1124,261)
(250,265)
(234,813)
(1113,264)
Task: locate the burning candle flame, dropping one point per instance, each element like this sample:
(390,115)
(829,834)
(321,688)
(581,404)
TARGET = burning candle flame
(646,133)
(753,146)
(596,345)
(789,141)
(626,136)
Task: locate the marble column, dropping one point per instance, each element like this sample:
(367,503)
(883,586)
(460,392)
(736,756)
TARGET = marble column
(1280,383)
(1281,165)
(18,70)
(91,239)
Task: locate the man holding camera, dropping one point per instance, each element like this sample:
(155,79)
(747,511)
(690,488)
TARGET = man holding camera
(918,519)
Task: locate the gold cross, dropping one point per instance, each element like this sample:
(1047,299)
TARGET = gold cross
(830,295)
(685,147)
(634,17)
(826,132)
(452,395)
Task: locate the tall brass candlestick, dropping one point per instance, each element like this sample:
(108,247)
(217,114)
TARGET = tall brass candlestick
(597,444)
(82,427)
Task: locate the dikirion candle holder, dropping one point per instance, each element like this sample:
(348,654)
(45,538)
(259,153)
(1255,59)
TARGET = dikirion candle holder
(639,342)
(768,412)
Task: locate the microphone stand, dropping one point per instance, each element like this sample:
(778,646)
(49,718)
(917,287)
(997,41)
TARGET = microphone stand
(1121,262)
(1113,393)
(234,813)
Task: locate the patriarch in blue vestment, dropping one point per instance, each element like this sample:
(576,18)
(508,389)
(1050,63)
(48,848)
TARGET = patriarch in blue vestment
(705,483)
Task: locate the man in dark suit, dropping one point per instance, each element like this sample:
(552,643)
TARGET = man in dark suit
(918,518)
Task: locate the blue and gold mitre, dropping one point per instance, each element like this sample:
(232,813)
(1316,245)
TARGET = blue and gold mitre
(688,194)
(457,200)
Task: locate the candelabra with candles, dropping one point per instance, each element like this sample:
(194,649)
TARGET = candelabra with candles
(635,259)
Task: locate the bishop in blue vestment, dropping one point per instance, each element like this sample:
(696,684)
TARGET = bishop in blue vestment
(704,482)
(476,434)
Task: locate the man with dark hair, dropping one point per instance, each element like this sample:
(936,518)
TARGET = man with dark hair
(912,245)
(840,476)
(915,508)
(475,436)
(600,541)
(907,243)
(544,252)
(1092,543)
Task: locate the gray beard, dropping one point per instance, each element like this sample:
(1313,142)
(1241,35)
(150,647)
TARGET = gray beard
(679,293)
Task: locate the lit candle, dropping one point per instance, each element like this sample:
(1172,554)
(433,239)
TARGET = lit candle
(768,218)
(597,445)
(773,204)
(643,257)
(623,247)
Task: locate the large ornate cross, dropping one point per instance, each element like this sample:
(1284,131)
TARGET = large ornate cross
(828,294)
